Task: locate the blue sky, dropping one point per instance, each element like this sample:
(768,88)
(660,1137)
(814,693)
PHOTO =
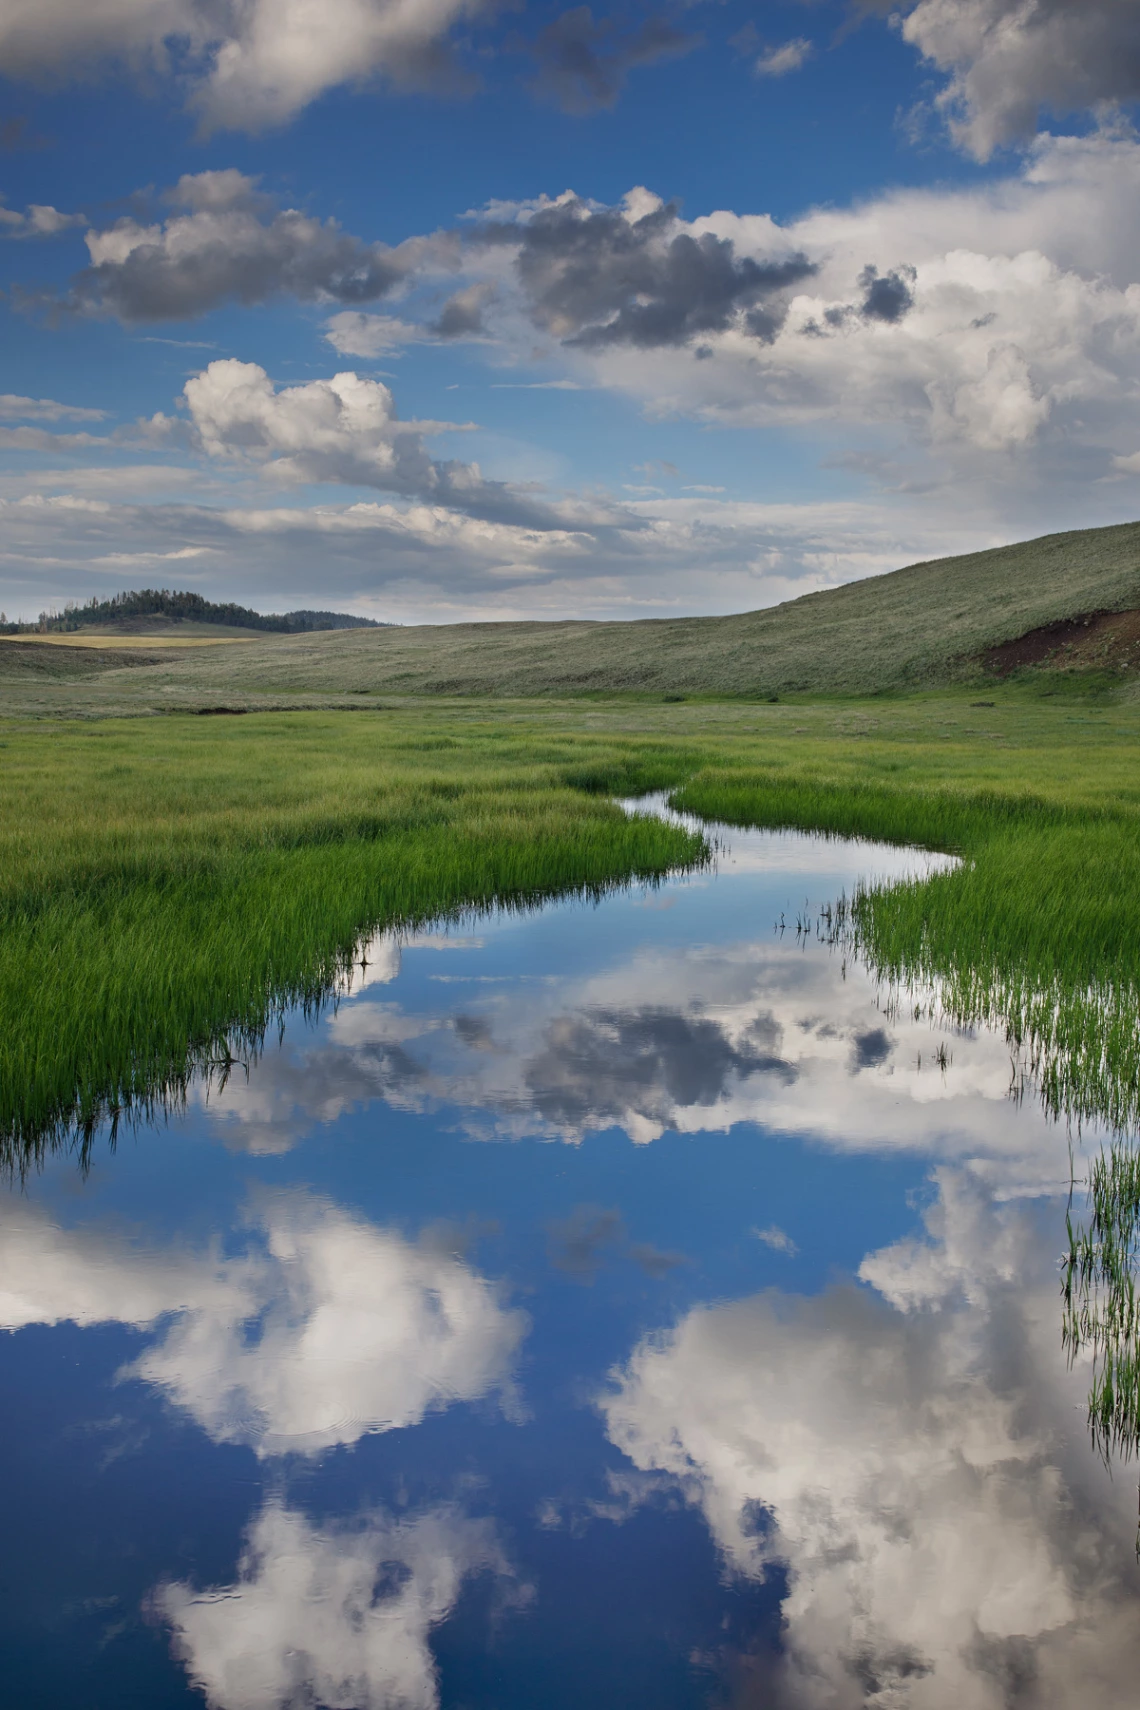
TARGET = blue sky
(838,286)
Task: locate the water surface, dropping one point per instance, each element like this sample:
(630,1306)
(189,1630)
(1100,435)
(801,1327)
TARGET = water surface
(618,1304)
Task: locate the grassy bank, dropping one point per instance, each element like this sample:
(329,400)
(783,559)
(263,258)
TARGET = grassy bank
(167,889)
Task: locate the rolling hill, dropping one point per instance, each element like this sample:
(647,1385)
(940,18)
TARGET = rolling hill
(1034,605)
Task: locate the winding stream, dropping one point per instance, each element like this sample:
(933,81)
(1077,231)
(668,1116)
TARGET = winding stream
(617,1305)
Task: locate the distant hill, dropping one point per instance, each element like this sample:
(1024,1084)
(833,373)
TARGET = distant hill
(128,611)
(948,620)
(1069,601)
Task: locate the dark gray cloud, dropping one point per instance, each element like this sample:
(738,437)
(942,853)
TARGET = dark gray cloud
(228,242)
(602,276)
(583,63)
(887,296)
(599,1065)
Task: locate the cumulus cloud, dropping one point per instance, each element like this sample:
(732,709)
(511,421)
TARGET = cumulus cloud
(343,430)
(248,66)
(919,1483)
(637,275)
(228,242)
(337,1614)
(960,323)
(1011,60)
(583,63)
(359,1330)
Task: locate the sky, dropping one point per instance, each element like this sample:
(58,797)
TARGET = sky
(434,310)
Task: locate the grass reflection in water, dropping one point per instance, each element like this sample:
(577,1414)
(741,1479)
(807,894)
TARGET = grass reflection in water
(1099,1290)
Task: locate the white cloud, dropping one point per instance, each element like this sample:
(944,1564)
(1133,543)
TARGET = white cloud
(777,1239)
(15,408)
(360,1329)
(252,65)
(971,356)
(779,61)
(921,1483)
(335,1615)
(427,562)
(344,429)
(44,439)
(1011,59)
(353,333)
(40,220)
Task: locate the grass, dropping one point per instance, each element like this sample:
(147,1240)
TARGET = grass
(925,625)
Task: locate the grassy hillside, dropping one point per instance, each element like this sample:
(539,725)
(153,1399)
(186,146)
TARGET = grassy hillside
(928,625)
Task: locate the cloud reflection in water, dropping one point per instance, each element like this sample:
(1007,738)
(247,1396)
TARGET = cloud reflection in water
(904,1450)
(337,1615)
(325,1329)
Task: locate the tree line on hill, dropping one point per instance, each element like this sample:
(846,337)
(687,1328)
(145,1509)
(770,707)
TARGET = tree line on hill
(162,602)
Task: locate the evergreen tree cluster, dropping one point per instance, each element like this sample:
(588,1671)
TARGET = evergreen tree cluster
(163,602)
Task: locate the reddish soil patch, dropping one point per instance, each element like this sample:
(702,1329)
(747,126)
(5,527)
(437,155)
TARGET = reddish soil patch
(1098,641)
